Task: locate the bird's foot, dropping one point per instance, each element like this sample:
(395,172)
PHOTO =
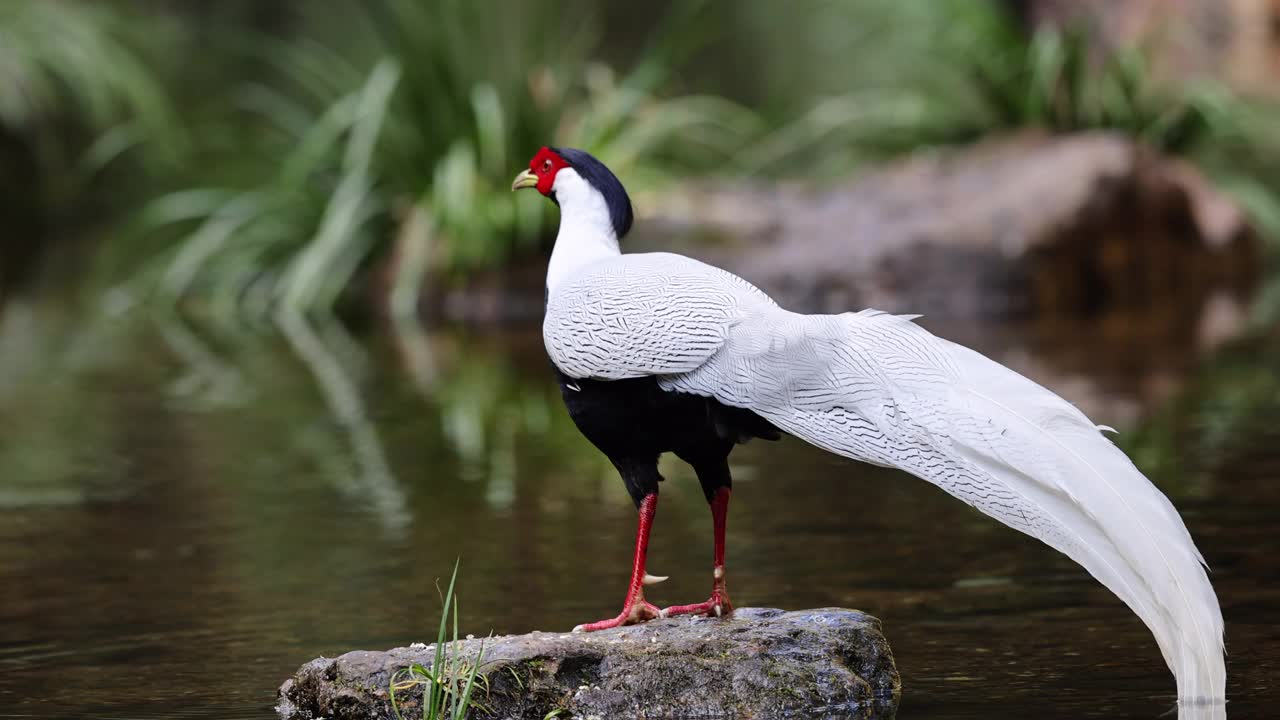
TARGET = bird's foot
(717,605)
(636,611)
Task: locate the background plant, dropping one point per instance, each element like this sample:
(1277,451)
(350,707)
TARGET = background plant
(890,77)
(84,121)
(401,137)
(310,148)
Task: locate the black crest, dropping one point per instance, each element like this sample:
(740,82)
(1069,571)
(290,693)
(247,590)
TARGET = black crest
(602,179)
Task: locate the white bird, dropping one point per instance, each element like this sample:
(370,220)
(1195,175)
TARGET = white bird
(657,353)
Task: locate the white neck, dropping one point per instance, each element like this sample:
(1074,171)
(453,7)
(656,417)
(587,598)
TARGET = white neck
(586,231)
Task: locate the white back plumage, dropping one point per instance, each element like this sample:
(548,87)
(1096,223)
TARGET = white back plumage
(878,388)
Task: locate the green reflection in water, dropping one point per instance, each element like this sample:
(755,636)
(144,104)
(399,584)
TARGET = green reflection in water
(215,508)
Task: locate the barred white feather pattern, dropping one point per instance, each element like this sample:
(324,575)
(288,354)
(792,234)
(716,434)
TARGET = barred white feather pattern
(616,318)
(880,389)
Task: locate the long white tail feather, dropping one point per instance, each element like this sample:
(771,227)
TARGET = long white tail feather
(880,389)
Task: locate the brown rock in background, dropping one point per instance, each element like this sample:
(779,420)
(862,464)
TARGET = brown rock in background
(1088,223)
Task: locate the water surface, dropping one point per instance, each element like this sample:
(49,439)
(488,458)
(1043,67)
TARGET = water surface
(186,515)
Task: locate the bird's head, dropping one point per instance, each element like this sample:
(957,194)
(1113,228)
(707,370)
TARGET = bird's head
(577,182)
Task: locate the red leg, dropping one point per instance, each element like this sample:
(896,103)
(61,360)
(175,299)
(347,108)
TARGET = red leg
(719,603)
(635,608)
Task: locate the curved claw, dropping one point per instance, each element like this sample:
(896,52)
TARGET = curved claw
(654,579)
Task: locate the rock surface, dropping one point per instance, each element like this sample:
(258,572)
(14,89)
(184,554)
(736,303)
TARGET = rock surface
(1028,222)
(758,663)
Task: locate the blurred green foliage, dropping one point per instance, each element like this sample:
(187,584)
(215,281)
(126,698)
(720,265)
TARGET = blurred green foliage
(403,130)
(78,90)
(305,142)
(891,77)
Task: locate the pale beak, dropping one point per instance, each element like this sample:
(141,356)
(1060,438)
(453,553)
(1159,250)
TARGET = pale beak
(525,179)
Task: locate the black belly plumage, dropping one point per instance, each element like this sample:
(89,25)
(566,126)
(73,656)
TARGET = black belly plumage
(633,421)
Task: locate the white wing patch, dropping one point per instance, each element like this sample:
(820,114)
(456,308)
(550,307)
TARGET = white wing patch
(646,314)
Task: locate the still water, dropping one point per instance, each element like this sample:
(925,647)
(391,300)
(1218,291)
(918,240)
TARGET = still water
(186,515)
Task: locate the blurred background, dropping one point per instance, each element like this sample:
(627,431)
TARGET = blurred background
(270,358)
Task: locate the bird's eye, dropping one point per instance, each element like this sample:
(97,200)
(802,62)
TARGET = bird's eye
(546,165)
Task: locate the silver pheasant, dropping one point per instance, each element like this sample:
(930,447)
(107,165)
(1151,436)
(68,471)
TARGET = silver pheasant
(650,344)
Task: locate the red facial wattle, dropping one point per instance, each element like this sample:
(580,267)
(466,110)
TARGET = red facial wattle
(544,166)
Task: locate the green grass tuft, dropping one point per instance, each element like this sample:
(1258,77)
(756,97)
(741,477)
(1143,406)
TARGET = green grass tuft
(448,685)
